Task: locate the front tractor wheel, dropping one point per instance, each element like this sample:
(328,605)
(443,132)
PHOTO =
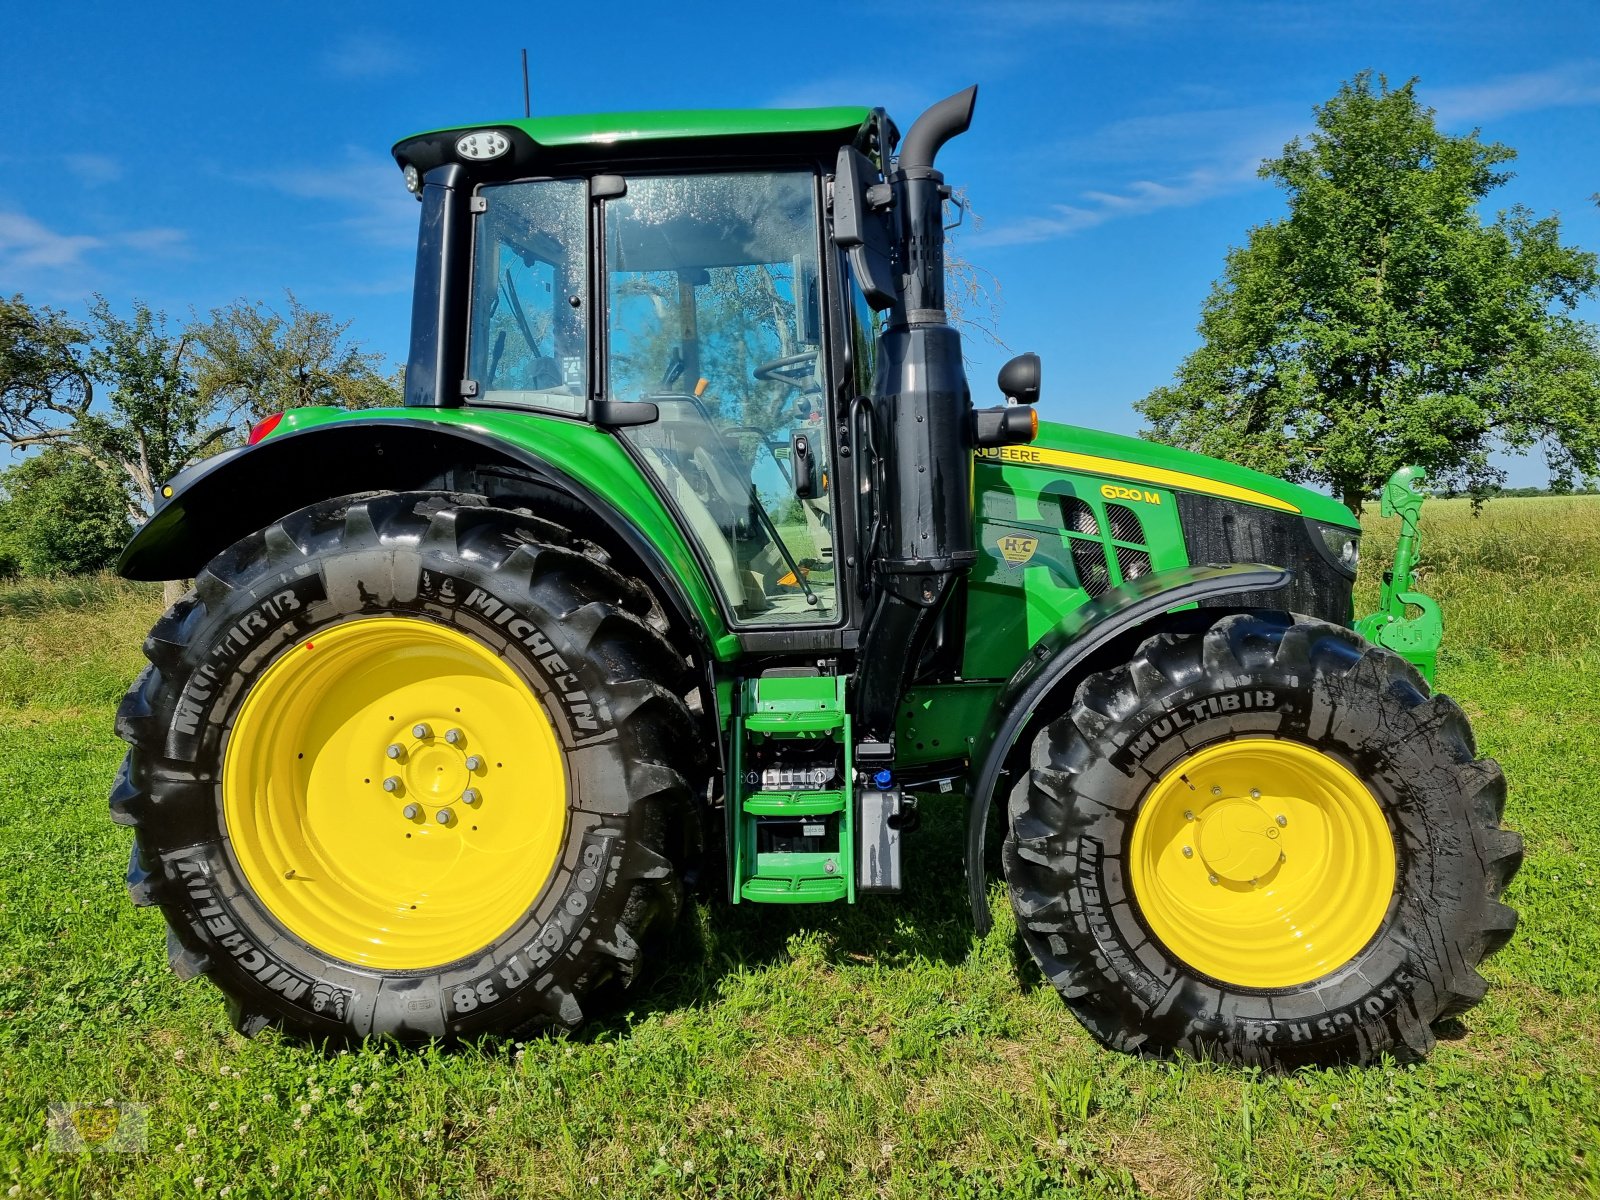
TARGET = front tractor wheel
(1264,844)
(410,766)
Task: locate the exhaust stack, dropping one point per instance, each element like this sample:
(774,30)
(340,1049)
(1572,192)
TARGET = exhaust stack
(922,410)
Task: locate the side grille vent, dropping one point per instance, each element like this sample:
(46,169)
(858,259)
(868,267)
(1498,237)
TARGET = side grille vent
(1079,517)
(1089,559)
(1134,563)
(1125,526)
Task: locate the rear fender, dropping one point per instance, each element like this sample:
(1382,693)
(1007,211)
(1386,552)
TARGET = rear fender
(214,503)
(1060,659)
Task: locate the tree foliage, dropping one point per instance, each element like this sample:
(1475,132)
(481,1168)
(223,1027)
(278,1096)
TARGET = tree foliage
(258,361)
(135,401)
(1383,321)
(60,513)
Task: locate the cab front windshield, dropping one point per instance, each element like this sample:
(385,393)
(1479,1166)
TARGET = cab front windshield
(714,315)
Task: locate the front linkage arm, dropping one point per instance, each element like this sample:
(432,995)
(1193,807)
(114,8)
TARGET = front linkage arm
(1414,638)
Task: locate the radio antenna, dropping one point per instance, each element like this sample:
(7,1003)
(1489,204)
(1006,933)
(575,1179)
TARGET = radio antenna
(527,111)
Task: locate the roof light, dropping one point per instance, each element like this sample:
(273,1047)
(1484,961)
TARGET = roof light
(263,427)
(413,180)
(485,144)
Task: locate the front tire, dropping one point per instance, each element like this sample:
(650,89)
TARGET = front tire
(410,766)
(1263,844)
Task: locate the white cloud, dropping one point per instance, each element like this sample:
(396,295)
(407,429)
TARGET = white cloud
(363,194)
(366,55)
(1128,200)
(36,258)
(26,243)
(1220,149)
(93,170)
(1569,85)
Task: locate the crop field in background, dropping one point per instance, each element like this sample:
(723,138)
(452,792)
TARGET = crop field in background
(877,1051)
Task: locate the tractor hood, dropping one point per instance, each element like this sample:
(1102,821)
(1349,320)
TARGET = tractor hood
(1071,448)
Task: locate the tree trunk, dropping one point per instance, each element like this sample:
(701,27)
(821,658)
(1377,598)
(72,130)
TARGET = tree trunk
(1354,497)
(173,590)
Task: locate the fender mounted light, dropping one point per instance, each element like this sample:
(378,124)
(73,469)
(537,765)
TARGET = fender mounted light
(262,427)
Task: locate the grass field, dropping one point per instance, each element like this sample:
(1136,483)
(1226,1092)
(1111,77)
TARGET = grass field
(879,1051)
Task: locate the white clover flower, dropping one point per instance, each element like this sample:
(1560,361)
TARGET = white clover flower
(688,1166)
(305,1110)
(177,1055)
(213,1106)
(355,1089)
(316,1093)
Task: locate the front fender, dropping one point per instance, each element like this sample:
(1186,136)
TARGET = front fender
(1058,657)
(318,455)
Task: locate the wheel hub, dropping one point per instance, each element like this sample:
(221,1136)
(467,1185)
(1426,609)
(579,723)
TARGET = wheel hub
(435,771)
(1238,841)
(1261,862)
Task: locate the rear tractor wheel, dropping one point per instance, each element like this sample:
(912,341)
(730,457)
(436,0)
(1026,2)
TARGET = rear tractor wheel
(1266,843)
(410,766)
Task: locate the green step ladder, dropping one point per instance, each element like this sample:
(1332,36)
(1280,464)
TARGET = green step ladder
(809,708)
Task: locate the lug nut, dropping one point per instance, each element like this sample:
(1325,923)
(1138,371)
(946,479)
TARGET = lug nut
(470,796)
(1212,878)
(1255,793)
(421,731)
(474,762)
(1282,820)
(396,751)
(1188,814)
(445,816)
(1216,790)
(392,784)
(412,812)
(1188,851)
(452,736)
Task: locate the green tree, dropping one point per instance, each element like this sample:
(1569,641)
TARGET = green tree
(259,361)
(144,422)
(1383,321)
(59,512)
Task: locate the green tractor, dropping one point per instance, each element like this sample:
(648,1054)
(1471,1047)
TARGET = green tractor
(689,565)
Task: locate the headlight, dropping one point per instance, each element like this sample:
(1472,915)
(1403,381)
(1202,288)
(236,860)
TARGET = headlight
(1340,546)
(413,180)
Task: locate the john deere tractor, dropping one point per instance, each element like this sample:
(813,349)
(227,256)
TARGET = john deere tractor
(689,564)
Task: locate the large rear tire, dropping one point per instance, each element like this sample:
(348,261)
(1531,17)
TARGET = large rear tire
(1264,844)
(411,766)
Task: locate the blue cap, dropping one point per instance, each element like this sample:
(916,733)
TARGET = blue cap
(884,777)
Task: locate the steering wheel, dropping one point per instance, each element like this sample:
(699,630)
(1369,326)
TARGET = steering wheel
(797,370)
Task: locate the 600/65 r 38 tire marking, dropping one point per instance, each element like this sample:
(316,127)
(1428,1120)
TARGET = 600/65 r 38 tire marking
(425,596)
(1398,897)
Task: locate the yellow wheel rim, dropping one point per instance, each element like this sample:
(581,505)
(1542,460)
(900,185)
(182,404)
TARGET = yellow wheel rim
(394,793)
(1262,863)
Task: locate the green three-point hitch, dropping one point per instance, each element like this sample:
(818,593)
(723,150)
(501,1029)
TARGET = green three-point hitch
(689,567)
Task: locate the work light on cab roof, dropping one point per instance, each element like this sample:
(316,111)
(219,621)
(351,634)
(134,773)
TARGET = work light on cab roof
(689,564)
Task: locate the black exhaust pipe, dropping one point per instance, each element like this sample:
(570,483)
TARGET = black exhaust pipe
(922,408)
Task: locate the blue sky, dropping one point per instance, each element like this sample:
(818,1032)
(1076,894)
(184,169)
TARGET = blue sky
(194,154)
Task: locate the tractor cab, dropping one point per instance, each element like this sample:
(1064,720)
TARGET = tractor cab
(700,312)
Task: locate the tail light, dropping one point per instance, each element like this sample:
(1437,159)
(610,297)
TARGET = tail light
(263,427)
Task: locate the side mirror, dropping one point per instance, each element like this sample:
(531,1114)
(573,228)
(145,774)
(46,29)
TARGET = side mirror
(1019,379)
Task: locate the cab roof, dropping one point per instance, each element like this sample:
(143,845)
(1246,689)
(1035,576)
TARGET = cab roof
(672,133)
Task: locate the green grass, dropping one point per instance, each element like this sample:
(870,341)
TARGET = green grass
(876,1051)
